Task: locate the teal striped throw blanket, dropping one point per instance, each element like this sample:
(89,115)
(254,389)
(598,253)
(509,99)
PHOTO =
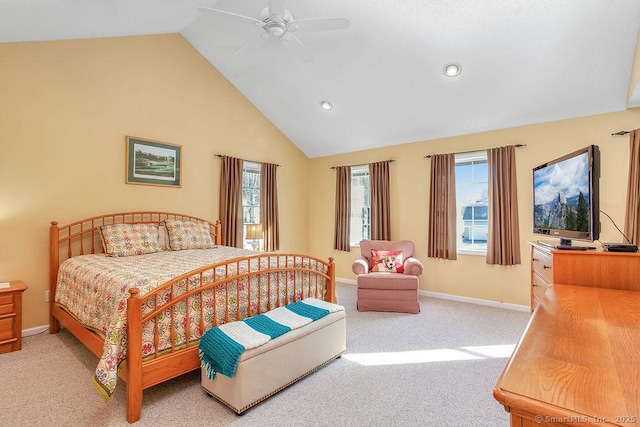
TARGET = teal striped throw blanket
(221,347)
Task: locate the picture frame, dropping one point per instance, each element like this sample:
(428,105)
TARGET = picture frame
(150,162)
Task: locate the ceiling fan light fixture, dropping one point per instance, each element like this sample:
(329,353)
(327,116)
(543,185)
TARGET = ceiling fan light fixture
(452,69)
(276,31)
(326,105)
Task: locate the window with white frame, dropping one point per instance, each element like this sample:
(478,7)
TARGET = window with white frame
(472,202)
(360,225)
(250,198)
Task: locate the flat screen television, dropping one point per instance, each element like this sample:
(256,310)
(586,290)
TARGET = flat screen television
(565,198)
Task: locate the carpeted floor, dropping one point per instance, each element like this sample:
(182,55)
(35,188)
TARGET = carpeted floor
(436,368)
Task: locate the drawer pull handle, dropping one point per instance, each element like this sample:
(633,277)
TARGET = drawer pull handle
(546,266)
(534,259)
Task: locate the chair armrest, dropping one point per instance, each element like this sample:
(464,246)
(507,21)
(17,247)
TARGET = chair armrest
(413,266)
(360,266)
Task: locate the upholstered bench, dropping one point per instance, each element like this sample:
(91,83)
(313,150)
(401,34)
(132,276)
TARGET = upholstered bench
(263,371)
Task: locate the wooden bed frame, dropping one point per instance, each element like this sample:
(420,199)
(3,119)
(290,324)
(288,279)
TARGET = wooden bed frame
(81,237)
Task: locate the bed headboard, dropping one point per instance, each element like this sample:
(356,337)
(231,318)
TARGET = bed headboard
(82,237)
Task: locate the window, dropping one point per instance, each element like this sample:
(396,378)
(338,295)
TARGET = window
(250,198)
(360,225)
(472,202)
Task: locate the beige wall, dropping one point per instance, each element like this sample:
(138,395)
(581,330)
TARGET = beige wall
(65,110)
(470,276)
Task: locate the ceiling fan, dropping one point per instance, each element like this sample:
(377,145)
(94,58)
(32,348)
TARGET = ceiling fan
(279,26)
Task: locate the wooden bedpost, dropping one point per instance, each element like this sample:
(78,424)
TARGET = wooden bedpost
(218,231)
(134,356)
(54,264)
(331,289)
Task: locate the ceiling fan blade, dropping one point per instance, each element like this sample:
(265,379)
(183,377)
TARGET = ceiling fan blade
(292,42)
(235,16)
(322,24)
(254,43)
(277,7)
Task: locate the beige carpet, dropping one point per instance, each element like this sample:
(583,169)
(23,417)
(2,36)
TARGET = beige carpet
(436,368)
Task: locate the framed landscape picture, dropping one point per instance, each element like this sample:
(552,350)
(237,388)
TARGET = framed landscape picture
(152,162)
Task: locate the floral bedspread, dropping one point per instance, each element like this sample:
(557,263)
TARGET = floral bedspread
(95,288)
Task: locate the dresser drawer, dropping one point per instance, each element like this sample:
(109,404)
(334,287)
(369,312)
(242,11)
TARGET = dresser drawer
(6,328)
(539,285)
(541,263)
(6,304)
(6,348)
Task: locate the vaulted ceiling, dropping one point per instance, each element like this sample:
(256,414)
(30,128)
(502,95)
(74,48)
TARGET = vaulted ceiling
(522,62)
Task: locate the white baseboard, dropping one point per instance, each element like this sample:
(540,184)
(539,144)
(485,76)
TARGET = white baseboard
(478,301)
(468,300)
(34,331)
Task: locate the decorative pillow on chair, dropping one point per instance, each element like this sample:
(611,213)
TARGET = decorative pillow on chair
(389,261)
(130,239)
(188,235)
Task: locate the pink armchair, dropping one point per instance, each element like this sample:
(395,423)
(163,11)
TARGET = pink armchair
(387,276)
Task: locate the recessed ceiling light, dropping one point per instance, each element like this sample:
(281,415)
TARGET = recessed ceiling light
(452,69)
(326,105)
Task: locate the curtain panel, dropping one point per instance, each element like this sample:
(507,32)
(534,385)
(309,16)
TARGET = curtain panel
(380,204)
(442,207)
(231,201)
(269,207)
(632,214)
(503,242)
(343,209)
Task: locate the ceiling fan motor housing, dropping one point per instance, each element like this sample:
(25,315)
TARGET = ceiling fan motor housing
(275,26)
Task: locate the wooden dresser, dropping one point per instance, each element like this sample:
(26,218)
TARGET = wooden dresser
(611,270)
(11,316)
(578,361)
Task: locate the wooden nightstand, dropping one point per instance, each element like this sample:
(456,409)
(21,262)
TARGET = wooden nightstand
(11,316)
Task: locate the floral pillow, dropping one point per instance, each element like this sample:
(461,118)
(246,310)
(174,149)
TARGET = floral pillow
(389,261)
(130,239)
(188,235)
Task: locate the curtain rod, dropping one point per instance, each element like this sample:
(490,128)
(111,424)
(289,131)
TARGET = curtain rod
(621,132)
(245,160)
(428,156)
(362,164)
